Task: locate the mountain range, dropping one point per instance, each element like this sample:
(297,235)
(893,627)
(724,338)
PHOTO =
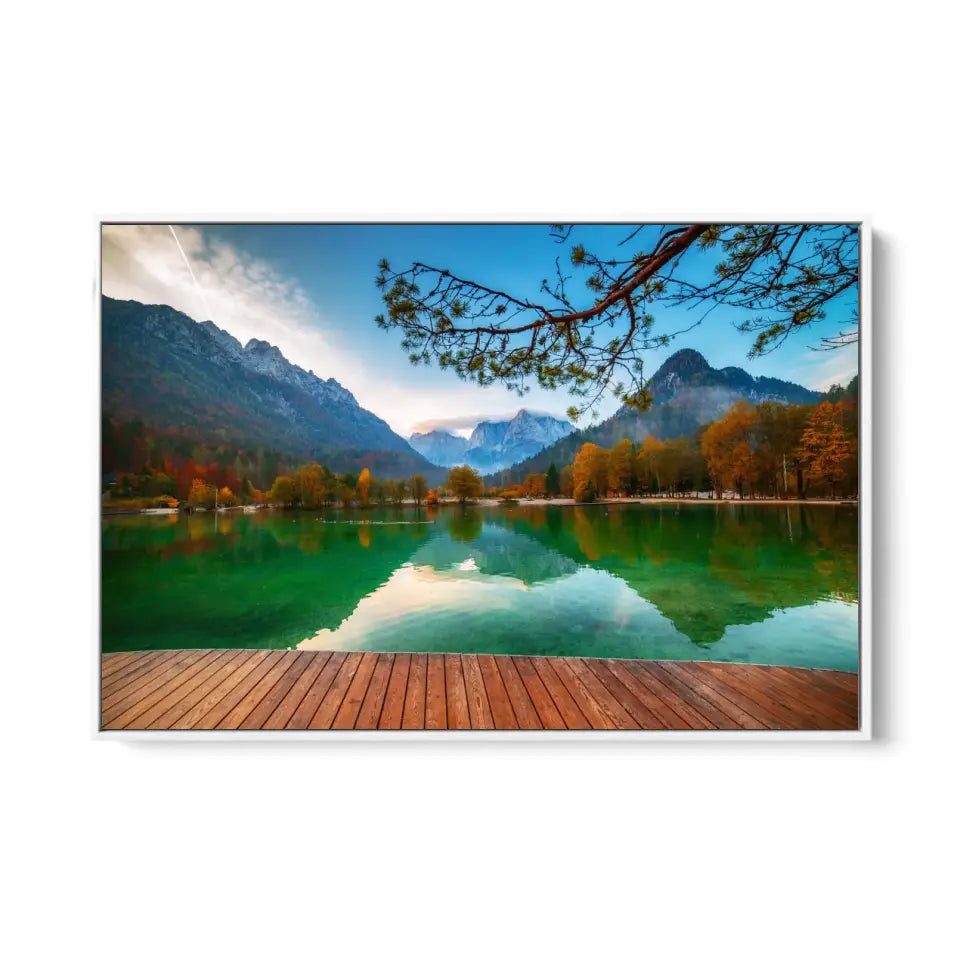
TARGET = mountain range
(687,393)
(175,374)
(163,367)
(493,444)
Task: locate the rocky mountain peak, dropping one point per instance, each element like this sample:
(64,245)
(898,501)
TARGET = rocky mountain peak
(683,363)
(163,366)
(493,444)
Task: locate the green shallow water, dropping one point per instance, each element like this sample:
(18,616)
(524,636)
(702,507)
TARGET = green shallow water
(756,584)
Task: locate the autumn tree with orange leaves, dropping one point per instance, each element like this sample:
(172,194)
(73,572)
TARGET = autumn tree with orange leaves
(728,447)
(363,487)
(828,449)
(590,473)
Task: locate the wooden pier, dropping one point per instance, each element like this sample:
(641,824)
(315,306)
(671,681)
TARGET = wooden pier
(310,690)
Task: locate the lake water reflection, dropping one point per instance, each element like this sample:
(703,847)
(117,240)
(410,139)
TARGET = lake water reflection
(751,583)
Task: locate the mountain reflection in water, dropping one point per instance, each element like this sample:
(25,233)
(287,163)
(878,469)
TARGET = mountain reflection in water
(753,583)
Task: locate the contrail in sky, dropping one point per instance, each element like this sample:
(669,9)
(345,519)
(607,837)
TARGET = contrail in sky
(196,283)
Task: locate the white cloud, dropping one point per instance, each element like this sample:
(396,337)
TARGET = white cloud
(463,424)
(249,298)
(821,369)
(240,294)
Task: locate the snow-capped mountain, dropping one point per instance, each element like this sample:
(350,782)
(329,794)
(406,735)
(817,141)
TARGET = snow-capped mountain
(494,444)
(439,447)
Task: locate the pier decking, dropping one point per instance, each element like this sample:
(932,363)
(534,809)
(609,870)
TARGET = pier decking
(309,690)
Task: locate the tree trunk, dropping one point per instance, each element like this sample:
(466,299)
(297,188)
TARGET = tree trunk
(800,493)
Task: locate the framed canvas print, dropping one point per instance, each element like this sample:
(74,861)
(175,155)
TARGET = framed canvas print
(485,479)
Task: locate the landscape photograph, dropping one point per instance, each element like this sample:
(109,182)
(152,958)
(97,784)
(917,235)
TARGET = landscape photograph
(480,477)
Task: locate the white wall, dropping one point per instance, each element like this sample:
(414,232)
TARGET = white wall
(745,850)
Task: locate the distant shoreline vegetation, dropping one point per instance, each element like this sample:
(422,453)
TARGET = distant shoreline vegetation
(767,451)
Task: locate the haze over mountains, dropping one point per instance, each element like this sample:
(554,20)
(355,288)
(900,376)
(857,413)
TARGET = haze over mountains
(494,444)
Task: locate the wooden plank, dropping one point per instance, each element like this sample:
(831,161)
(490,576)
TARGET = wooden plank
(744,701)
(416,699)
(203,689)
(458,711)
(668,696)
(822,704)
(547,712)
(705,707)
(848,683)
(225,668)
(128,672)
(115,662)
(292,699)
(642,716)
(391,717)
(138,674)
(759,690)
(839,689)
(587,705)
(618,715)
(832,708)
(822,685)
(110,661)
(697,681)
(481,717)
(225,695)
(305,712)
(237,693)
(327,710)
(262,711)
(116,703)
(523,708)
(369,716)
(566,706)
(209,667)
(280,662)
(435,717)
(665,716)
(346,715)
(130,708)
(503,715)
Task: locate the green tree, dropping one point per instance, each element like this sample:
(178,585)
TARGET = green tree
(464,483)
(418,488)
(553,480)
(282,493)
(779,431)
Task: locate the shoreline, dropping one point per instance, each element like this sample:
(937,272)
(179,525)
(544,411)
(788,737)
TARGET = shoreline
(493,502)
(614,501)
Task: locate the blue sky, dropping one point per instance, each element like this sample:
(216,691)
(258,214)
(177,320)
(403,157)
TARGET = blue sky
(310,290)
